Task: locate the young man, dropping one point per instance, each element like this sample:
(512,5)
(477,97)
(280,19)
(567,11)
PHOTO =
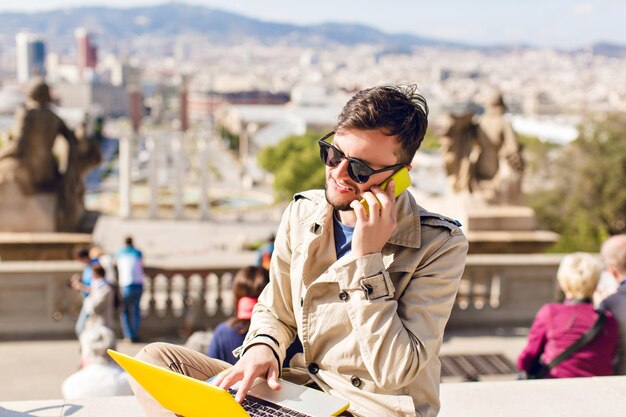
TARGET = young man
(613,254)
(130,279)
(368,293)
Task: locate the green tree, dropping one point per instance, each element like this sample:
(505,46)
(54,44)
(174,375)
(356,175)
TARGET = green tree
(295,163)
(431,142)
(587,201)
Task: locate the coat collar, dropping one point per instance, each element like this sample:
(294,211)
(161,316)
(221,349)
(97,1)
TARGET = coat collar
(407,233)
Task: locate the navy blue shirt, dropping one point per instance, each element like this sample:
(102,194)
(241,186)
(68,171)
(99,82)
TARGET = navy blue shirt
(343,237)
(226,339)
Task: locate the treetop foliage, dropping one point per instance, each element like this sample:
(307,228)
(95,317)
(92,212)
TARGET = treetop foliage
(587,202)
(295,163)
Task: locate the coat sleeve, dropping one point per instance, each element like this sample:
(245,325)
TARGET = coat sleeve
(397,338)
(528,360)
(273,322)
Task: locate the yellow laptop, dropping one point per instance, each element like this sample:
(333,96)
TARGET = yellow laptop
(195,398)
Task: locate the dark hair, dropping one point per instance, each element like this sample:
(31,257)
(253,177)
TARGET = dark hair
(128,241)
(395,110)
(81,253)
(98,271)
(248,282)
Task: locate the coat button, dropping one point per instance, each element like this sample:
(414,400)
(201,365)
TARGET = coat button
(356,381)
(369,290)
(314,368)
(343,296)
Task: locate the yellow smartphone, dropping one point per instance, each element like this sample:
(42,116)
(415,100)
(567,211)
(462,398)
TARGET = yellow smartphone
(402,180)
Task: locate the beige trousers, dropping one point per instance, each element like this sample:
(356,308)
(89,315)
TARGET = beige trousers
(193,364)
(178,359)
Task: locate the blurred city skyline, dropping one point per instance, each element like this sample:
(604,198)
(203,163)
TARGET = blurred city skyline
(559,23)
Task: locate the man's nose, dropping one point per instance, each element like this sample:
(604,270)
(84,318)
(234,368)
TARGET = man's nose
(342,168)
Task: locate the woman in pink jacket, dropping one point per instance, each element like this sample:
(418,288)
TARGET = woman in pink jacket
(557,326)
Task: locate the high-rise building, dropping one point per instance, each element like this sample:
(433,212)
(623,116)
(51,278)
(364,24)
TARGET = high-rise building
(31,56)
(87,51)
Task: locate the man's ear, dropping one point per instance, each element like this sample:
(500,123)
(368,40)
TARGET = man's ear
(613,271)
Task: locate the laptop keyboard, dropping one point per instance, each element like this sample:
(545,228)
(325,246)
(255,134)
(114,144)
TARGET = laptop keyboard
(257,407)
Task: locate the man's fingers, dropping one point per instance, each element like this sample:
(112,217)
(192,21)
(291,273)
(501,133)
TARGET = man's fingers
(390,190)
(272,379)
(384,196)
(358,208)
(373,203)
(246,383)
(229,380)
(220,377)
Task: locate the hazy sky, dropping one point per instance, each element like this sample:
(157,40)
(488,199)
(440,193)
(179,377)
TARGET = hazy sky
(563,23)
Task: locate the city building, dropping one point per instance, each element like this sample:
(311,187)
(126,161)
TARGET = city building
(87,52)
(30,56)
(105,99)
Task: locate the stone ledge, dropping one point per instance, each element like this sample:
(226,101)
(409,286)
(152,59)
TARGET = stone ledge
(40,246)
(575,397)
(88,407)
(25,237)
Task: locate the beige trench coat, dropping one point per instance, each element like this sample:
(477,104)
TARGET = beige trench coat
(371,327)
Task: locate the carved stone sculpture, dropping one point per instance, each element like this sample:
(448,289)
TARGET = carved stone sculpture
(34,194)
(482,155)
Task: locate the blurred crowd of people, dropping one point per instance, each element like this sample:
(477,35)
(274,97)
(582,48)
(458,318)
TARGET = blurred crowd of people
(584,335)
(109,284)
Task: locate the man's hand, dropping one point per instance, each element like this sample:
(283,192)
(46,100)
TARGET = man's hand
(373,230)
(258,361)
(75,282)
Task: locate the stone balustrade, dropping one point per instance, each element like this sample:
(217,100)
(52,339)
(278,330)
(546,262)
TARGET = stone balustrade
(505,290)
(36,301)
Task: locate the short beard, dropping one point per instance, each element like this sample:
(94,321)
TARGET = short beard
(339,207)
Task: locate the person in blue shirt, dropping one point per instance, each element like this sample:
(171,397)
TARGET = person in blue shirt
(84,278)
(130,279)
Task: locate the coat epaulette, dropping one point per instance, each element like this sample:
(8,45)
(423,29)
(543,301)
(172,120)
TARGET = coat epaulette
(435,219)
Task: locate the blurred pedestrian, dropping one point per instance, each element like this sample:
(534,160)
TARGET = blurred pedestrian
(98,308)
(229,335)
(99,376)
(614,257)
(248,284)
(265,253)
(84,278)
(106,260)
(130,280)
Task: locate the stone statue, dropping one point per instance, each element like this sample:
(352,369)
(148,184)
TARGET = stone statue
(28,158)
(32,189)
(81,158)
(482,155)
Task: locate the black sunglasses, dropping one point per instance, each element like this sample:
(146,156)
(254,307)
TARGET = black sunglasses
(358,170)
